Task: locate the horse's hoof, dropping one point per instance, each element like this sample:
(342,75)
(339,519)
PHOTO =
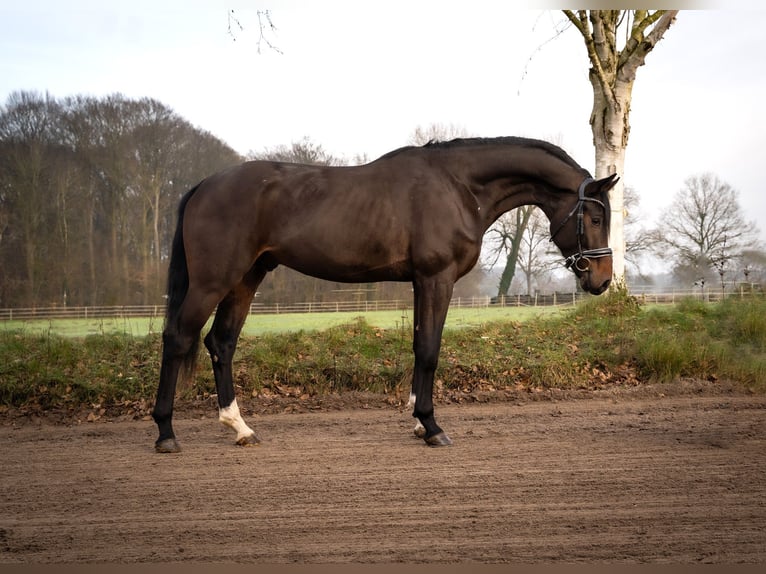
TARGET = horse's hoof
(249,440)
(167,445)
(420,431)
(440,439)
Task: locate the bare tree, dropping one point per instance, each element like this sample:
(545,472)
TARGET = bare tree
(612,75)
(639,241)
(88,194)
(523,237)
(437,132)
(505,236)
(303,151)
(752,268)
(704,229)
(28,128)
(265,26)
(536,258)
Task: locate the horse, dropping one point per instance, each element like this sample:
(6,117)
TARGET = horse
(416,214)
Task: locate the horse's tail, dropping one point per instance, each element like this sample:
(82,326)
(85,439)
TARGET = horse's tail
(178,286)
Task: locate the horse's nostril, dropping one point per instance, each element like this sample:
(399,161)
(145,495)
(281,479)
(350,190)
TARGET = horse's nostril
(596,289)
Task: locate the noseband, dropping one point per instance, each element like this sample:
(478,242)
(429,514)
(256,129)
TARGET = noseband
(586,255)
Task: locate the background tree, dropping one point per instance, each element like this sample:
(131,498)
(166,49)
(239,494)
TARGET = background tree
(436,132)
(88,191)
(28,136)
(522,236)
(537,256)
(704,229)
(639,241)
(304,151)
(752,270)
(614,60)
(505,237)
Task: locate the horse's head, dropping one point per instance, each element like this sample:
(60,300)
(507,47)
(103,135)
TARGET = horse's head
(580,229)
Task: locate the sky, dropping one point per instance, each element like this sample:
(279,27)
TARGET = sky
(360,77)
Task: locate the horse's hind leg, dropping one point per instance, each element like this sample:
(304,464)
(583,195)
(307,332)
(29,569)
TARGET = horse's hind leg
(419,430)
(221,342)
(174,348)
(180,339)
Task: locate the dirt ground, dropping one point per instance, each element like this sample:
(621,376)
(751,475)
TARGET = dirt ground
(623,478)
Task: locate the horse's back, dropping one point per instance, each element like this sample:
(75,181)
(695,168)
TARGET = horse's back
(362,223)
(334,223)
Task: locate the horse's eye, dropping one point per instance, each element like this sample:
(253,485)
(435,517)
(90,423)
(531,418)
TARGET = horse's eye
(596,221)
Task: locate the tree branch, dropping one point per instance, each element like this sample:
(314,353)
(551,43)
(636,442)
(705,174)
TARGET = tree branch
(638,46)
(582,26)
(580,21)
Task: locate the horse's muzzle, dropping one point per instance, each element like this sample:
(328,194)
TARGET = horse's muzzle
(595,275)
(597,289)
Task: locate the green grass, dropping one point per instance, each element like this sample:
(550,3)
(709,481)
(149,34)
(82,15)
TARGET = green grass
(606,341)
(79,328)
(262,324)
(724,340)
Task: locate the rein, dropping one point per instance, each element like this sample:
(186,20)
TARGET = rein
(582,254)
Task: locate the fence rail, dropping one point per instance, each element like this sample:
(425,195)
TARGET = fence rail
(539,300)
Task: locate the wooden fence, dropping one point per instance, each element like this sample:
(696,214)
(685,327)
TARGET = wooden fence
(538,300)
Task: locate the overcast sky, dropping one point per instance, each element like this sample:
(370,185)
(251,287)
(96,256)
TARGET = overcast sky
(359,77)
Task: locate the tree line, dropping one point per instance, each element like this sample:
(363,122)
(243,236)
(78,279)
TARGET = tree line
(88,189)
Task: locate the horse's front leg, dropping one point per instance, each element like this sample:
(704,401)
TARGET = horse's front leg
(432,297)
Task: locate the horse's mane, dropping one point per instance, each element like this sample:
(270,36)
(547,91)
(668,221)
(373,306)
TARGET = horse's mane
(545,146)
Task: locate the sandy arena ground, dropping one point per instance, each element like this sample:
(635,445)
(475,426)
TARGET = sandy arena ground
(661,480)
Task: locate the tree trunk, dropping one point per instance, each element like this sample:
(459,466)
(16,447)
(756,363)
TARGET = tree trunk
(522,220)
(63,185)
(508,272)
(610,125)
(156,284)
(92,298)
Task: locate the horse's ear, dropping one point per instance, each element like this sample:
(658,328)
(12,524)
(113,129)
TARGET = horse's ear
(602,185)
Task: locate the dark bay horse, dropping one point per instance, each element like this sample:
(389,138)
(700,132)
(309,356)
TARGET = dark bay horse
(417,214)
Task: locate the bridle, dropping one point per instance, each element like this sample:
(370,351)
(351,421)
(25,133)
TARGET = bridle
(586,255)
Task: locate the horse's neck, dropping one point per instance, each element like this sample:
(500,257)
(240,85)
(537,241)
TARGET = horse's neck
(504,178)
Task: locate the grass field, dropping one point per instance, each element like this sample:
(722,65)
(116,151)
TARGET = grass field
(283,323)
